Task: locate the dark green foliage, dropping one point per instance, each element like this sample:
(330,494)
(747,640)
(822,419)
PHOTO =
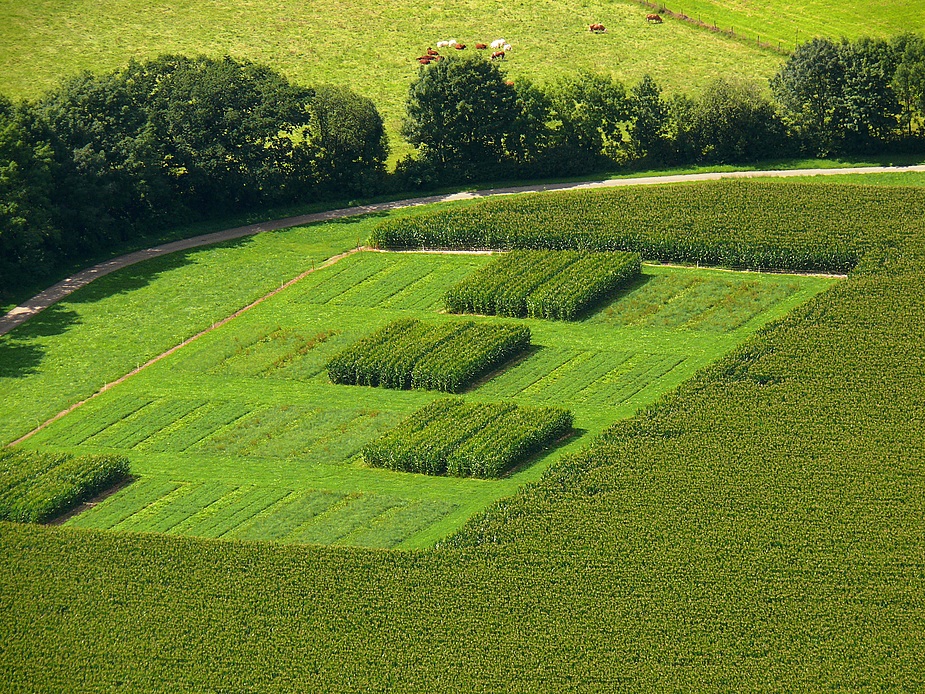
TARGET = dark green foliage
(467,439)
(649,123)
(589,280)
(838,96)
(105,159)
(36,487)
(348,141)
(27,234)
(589,112)
(461,113)
(734,122)
(751,225)
(908,81)
(436,356)
(542,284)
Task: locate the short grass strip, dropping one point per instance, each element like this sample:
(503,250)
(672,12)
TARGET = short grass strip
(467,439)
(410,353)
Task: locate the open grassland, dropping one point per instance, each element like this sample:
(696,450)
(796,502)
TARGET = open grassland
(369,47)
(242,435)
(788,23)
(761,529)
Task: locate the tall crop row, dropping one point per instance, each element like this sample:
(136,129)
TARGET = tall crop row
(756,225)
(542,284)
(435,356)
(467,439)
(581,285)
(36,487)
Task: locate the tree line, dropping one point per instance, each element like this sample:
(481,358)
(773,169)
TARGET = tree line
(107,158)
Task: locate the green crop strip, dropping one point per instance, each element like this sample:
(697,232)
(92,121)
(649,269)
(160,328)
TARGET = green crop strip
(754,225)
(441,356)
(559,285)
(467,439)
(39,486)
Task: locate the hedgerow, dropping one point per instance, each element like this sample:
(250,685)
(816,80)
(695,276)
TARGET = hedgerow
(409,353)
(467,439)
(542,284)
(36,487)
(741,224)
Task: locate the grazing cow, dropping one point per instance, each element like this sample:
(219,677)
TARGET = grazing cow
(424,60)
(431,52)
(597,29)
(481,46)
(497,43)
(506,47)
(497,55)
(654,18)
(460,46)
(509,83)
(443,44)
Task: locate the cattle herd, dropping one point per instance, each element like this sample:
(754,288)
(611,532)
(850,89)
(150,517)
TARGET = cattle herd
(500,47)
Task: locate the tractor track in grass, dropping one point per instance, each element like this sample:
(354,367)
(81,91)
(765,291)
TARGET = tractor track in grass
(20,314)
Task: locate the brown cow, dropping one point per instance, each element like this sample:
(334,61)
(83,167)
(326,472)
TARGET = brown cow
(497,55)
(480,46)
(431,52)
(654,18)
(597,29)
(460,46)
(425,60)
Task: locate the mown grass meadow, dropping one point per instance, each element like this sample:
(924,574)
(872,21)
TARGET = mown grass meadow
(788,23)
(369,48)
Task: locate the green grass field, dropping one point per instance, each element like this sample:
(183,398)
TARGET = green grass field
(241,434)
(758,529)
(369,47)
(789,23)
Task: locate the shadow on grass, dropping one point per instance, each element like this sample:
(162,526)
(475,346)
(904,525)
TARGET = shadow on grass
(608,302)
(140,275)
(571,436)
(21,352)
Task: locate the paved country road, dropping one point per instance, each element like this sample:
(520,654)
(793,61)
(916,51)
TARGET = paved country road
(67,286)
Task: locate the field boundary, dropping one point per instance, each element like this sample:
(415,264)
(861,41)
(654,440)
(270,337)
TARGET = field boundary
(69,285)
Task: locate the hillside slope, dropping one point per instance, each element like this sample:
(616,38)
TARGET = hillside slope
(367,46)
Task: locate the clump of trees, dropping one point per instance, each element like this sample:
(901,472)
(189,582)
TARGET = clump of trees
(106,158)
(829,98)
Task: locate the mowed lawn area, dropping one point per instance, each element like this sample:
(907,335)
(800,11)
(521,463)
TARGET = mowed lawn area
(241,435)
(790,22)
(369,47)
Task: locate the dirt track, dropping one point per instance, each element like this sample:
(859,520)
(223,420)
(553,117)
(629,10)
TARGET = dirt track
(65,287)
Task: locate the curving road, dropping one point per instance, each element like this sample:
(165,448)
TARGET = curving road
(67,286)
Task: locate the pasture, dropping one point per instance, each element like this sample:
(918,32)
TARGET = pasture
(368,47)
(789,23)
(241,435)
